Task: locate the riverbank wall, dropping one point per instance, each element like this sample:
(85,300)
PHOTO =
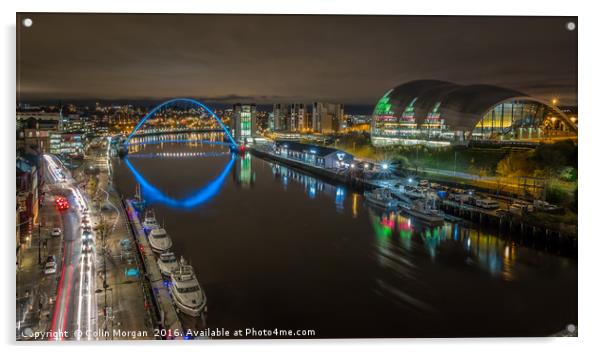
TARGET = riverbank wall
(329,175)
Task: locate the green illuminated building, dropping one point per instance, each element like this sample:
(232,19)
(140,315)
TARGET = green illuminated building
(433,112)
(244,122)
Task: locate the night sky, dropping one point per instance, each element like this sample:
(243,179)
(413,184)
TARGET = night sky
(266,59)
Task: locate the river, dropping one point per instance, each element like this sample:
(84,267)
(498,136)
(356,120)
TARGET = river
(276,248)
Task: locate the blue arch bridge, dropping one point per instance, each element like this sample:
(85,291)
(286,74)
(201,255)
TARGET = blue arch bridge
(124,148)
(202,194)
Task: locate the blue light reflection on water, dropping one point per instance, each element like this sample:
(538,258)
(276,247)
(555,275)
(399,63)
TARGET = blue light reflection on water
(153,194)
(400,259)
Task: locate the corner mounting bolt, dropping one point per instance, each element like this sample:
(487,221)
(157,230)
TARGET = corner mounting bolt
(571,26)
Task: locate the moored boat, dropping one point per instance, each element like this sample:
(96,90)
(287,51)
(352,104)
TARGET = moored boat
(186,291)
(150,221)
(425,210)
(381,197)
(159,240)
(168,263)
(402,197)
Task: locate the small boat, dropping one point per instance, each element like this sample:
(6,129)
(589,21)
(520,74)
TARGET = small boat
(159,240)
(416,192)
(425,211)
(402,197)
(138,202)
(186,291)
(168,263)
(381,197)
(150,221)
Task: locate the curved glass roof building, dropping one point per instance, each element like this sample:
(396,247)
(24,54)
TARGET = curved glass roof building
(439,112)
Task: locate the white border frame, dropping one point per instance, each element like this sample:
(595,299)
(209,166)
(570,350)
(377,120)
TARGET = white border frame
(589,123)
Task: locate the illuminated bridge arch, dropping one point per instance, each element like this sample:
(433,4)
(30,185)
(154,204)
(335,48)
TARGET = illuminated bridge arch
(177,100)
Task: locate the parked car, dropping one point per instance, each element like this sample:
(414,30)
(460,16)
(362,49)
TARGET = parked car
(502,213)
(487,203)
(546,207)
(519,208)
(56,232)
(460,197)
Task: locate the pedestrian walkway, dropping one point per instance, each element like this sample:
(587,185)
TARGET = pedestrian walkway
(122,306)
(36,291)
(120,297)
(160,291)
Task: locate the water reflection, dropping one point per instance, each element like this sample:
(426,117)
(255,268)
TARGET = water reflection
(398,234)
(491,253)
(408,278)
(488,252)
(340,199)
(243,171)
(153,194)
(354,204)
(312,185)
(190,140)
(178,154)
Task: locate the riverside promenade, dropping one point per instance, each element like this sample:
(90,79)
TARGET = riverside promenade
(161,297)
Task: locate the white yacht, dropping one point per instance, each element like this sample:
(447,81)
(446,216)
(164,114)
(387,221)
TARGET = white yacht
(159,240)
(187,294)
(168,263)
(381,197)
(150,221)
(425,210)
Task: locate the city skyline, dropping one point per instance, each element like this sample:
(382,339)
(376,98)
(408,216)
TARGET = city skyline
(295,177)
(295,58)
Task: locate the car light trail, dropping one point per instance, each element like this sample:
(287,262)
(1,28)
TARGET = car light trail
(79,306)
(66,307)
(57,304)
(89,300)
(85,305)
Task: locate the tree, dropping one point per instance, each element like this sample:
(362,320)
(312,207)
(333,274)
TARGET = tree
(515,164)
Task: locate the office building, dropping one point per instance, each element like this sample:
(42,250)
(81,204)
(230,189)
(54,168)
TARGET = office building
(280,113)
(243,123)
(327,117)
